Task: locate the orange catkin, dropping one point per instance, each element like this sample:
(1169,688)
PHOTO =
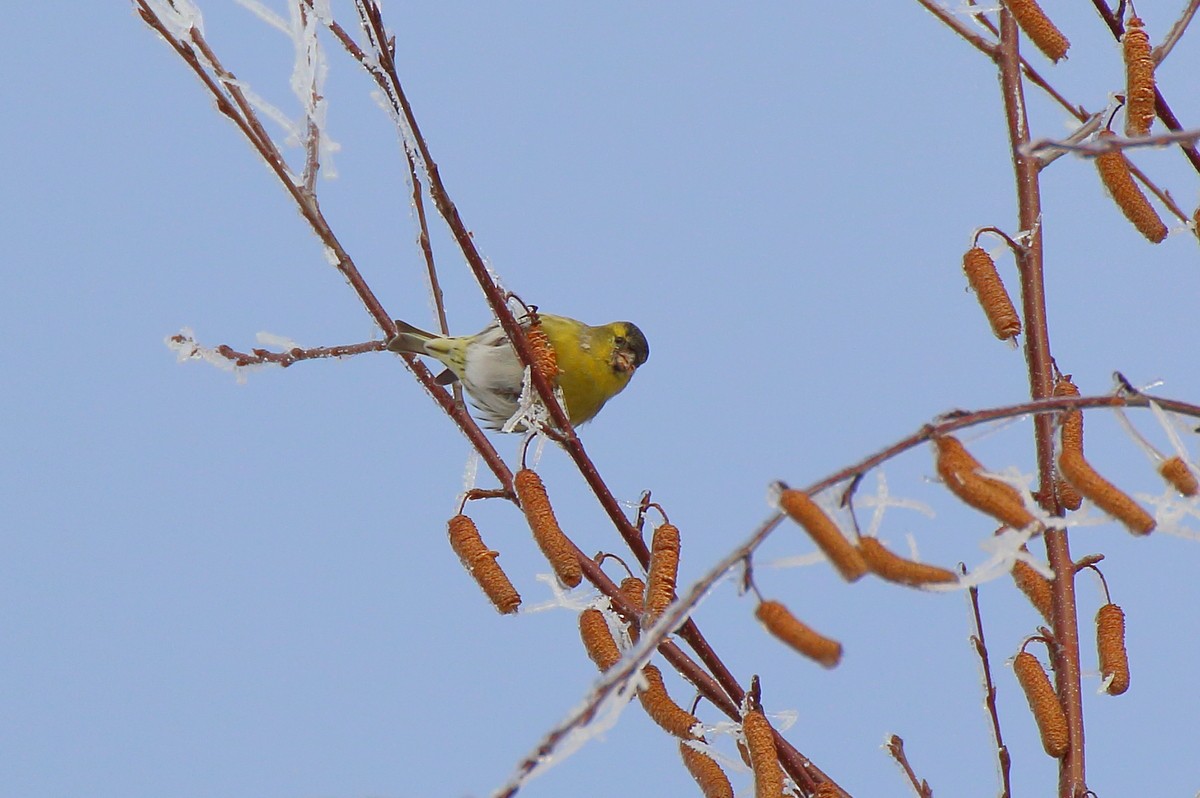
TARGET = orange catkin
(1036,587)
(894,568)
(826,789)
(544,358)
(1118,179)
(662,573)
(480,562)
(1105,495)
(1072,438)
(1176,471)
(662,709)
(633,590)
(1038,27)
(764,761)
(989,289)
(960,472)
(1047,711)
(597,638)
(788,628)
(546,531)
(707,773)
(1139,78)
(824,532)
(1110,642)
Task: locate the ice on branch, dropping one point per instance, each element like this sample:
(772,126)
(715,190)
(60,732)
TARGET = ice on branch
(282,343)
(184,345)
(179,17)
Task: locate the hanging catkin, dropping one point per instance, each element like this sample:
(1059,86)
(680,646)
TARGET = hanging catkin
(546,531)
(598,639)
(764,761)
(1139,78)
(1110,643)
(662,709)
(788,628)
(961,474)
(662,573)
(824,532)
(708,774)
(1105,495)
(1118,179)
(1047,711)
(1038,27)
(480,562)
(894,568)
(1176,471)
(989,290)
(1036,587)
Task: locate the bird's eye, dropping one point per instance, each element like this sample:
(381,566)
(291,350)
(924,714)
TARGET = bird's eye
(619,340)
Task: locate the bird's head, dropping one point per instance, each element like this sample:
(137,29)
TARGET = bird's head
(629,346)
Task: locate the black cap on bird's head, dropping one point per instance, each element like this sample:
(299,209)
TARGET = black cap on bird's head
(632,348)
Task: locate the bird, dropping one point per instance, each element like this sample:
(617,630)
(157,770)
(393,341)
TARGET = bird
(595,363)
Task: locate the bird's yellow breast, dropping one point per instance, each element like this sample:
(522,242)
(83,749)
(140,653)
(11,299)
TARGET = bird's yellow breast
(585,364)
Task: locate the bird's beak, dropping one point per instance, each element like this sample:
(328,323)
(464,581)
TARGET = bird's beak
(623,360)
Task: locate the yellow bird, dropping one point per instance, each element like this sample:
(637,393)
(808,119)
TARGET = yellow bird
(595,363)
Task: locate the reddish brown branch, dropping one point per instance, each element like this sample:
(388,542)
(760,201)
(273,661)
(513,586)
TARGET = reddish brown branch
(989,689)
(895,747)
(1040,368)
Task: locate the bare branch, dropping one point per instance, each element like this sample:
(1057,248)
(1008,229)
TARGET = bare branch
(1160,53)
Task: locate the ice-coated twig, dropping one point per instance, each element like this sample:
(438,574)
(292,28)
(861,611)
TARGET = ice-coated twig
(226,357)
(1099,146)
(1160,52)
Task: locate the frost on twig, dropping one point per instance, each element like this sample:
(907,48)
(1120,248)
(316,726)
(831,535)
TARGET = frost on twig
(226,358)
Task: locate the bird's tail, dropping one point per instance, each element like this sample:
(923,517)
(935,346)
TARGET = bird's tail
(410,339)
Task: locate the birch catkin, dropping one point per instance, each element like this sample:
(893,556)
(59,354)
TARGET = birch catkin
(1071,437)
(788,628)
(1105,495)
(1038,27)
(545,361)
(1118,179)
(1036,587)
(960,473)
(764,760)
(989,290)
(895,568)
(546,531)
(480,562)
(662,573)
(633,590)
(708,774)
(824,532)
(1110,643)
(598,639)
(1047,711)
(1176,471)
(662,709)
(1139,78)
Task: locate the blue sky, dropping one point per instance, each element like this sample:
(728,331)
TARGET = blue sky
(244,589)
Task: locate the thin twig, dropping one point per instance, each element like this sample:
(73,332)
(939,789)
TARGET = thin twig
(1004,760)
(312,131)
(895,747)
(1160,52)
(259,356)
(1099,146)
